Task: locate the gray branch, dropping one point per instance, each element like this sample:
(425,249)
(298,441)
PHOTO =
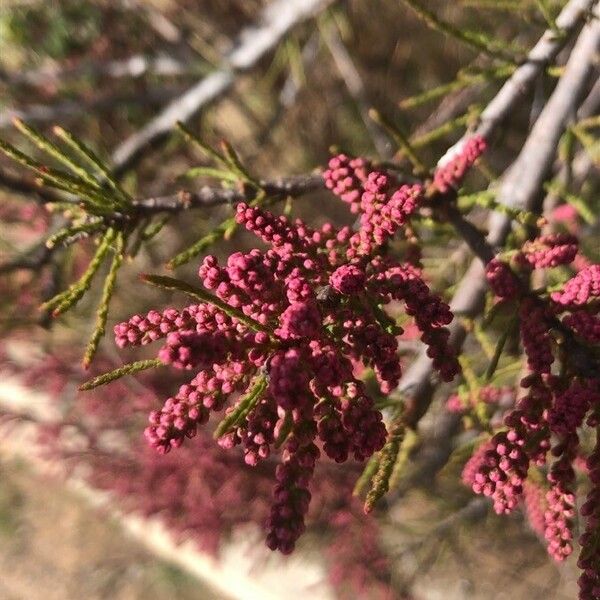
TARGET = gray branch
(135,66)
(208,196)
(542,55)
(252,44)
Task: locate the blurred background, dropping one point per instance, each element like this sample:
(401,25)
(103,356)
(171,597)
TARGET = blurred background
(80,495)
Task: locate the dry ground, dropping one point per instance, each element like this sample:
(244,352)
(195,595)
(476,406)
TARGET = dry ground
(55,547)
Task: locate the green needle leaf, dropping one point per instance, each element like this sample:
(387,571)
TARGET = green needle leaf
(128,369)
(107,292)
(243,408)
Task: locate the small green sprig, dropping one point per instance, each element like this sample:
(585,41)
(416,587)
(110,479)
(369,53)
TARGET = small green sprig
(487,199)
(103,307)
(387,458)
(230,171)
(66,235)
(128,369)
(97,206)
(478,40)
(405,146)
(87,179)
(495,360)
(67,299)
(363,483)
(243,408)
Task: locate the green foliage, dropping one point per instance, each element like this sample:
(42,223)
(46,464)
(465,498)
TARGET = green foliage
(67,299)
(465,78)
(55,28)
(99,207)
(218,233)
(478,40)
(243,408)
(386,461)
(487,199)
(96,191)
(402,141)
(501,343)
(231,172)
(364,481)
(107,293)
(94,198)
(128,369)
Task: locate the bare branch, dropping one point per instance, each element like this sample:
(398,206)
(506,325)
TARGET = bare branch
(135,66)
(211,196)
(251,45)
(542,54)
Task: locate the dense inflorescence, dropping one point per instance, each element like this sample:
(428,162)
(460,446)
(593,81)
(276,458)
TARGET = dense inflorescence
(560,499)
(548,251)
(345,176)
(585,325)
(581,289)
(453,166)
(535,325)
(294,348)
(589,559)
(200,492)
(475,462)
(502,280)
(558,332)
(571,405)
(289,327)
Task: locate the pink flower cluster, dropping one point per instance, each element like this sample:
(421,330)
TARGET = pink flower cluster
(535,324)
(345,176)
(256,434)
(453,167)
(581,289)
(558,522)
(384,208)
(571,405)
(200,492)
(548,251)
(180,416)
(502,280)
(294,322)
(145,329)
(477,460)
(560,499)
(504,467)
(589,559)
(291,497)
(585,325)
